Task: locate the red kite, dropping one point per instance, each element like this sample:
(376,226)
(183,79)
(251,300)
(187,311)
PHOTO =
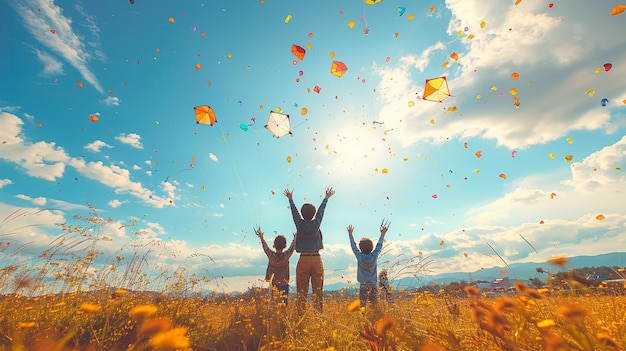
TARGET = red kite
(298,51)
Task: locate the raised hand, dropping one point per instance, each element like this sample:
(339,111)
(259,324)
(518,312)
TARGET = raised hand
(350,229)
(258,232)
(288,193)
(384,226)
(329,192)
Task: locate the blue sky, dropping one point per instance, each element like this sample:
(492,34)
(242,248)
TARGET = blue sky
(369,135)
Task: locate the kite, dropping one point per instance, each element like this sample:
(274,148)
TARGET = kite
(278,124)
(401,10)
(298,51)
(338,68)
(372,2)
(618,9)
(205,115)
(436,89)
(246,126)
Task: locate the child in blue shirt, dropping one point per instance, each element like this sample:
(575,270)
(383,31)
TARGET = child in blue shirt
(366,256)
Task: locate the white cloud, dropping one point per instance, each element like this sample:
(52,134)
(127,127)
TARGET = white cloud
(601,171)
(555,58)
(23,197)
(4,182)
(136,168)
(64,205)
(41,159)
(115,203)
(111,101)
(39,201)
(119,179)
(597,186)
(170,190)
(10,109)
(114,229)
(21,221)
(97,145)
(41,16)
(52,66)
(131,139)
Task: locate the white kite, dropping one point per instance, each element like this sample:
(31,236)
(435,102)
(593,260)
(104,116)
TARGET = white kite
(278,124)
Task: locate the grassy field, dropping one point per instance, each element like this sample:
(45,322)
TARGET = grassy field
(67,299)
(125,320)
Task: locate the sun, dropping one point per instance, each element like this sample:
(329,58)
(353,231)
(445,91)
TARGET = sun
(356,155)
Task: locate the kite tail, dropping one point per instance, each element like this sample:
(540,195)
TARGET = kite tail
(366,28)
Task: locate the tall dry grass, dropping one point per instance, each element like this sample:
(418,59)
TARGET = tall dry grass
(66,300)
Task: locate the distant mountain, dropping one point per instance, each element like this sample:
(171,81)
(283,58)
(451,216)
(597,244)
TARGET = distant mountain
(521,271)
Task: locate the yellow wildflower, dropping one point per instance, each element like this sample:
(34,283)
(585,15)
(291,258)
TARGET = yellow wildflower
(174,338)
(154,326)
(573,313)
(606,340)
(89,307)
(354,306)
(26,325)
(471,290)
(143,311)
(546,323)
(385,324)
(558,260)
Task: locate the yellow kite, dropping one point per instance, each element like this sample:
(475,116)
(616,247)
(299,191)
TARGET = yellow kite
(338,68)
(436,89)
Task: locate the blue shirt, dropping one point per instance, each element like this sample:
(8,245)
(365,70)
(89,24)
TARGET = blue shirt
(367,267)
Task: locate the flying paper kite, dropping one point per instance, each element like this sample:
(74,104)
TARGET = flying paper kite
(372,2)
(436,89)
(278,124)
(204,115)
(298,51)
(616,10)
(338,68)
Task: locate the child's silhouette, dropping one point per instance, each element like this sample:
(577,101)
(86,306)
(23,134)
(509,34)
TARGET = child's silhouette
(367,266)
(308,243)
